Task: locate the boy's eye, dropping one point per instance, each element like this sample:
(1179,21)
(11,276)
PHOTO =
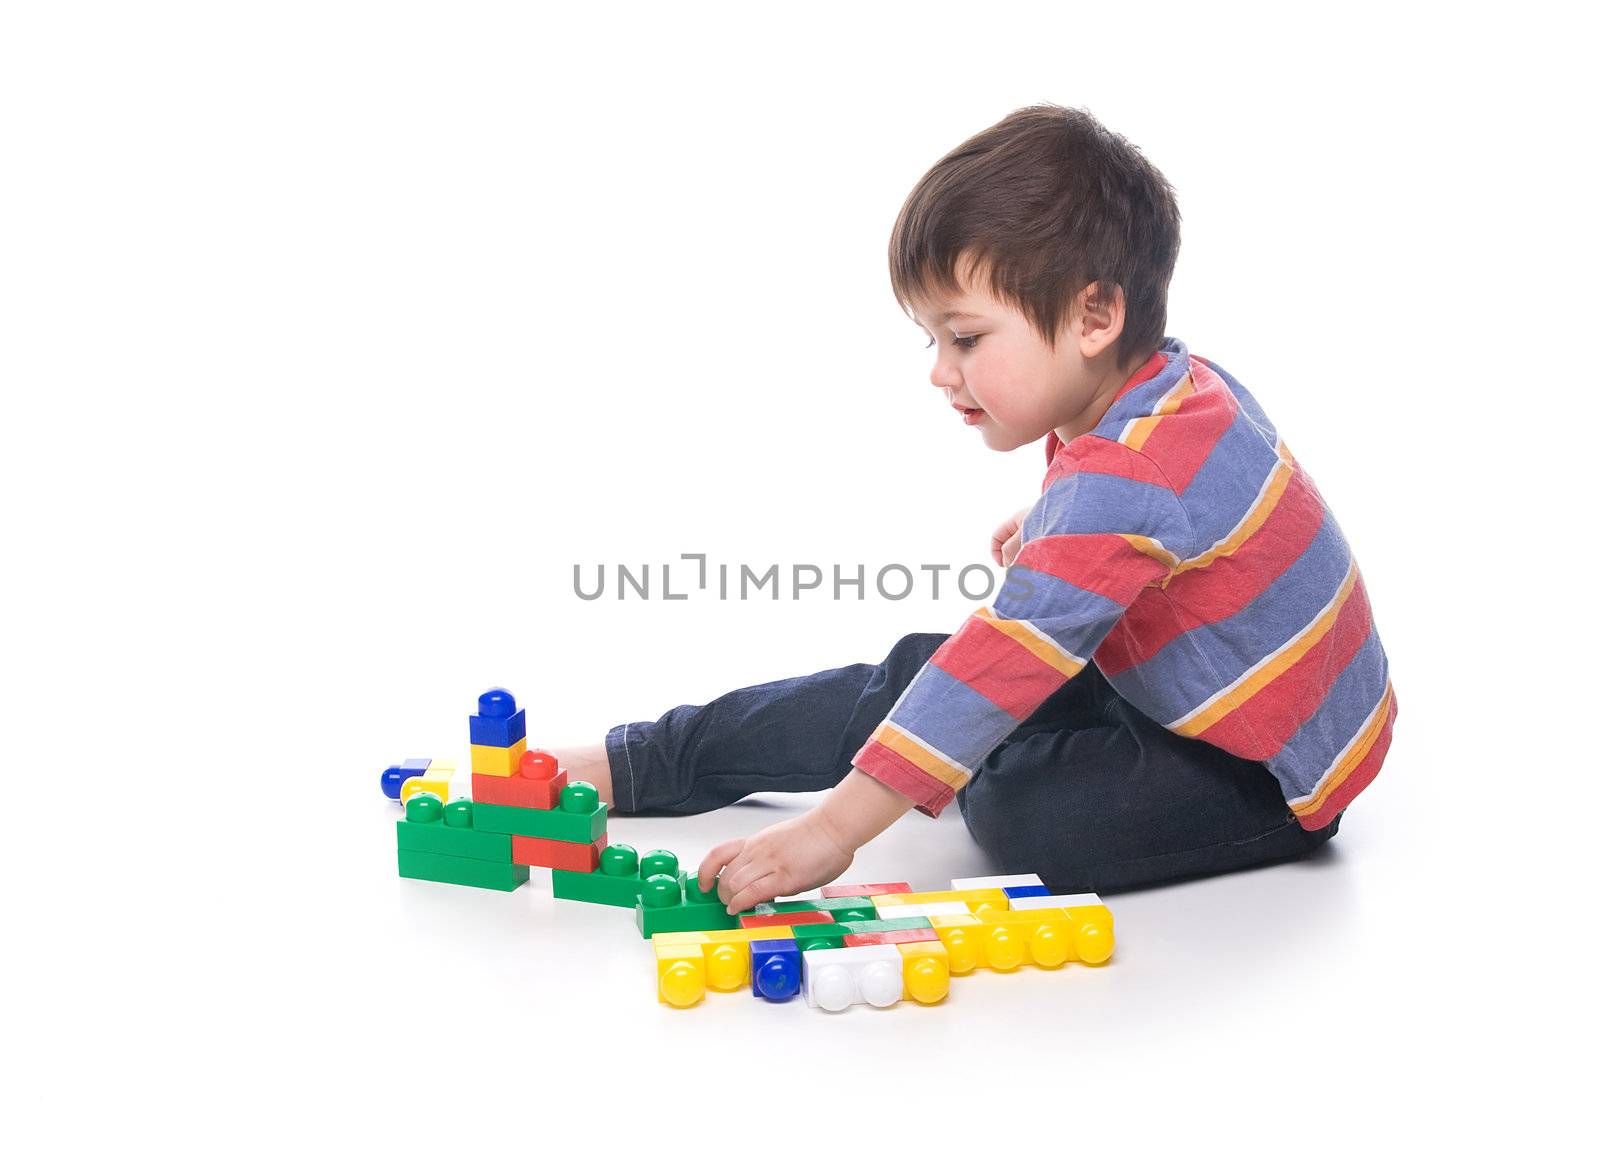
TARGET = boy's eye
(964,342)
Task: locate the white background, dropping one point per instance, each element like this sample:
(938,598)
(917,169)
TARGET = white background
(332,336)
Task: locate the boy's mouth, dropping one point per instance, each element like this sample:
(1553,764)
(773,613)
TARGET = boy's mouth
(970,416)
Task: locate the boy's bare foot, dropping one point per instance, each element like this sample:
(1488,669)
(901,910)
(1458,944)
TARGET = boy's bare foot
(585,763)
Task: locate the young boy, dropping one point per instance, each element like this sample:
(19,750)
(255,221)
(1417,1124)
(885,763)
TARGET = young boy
(1180,675)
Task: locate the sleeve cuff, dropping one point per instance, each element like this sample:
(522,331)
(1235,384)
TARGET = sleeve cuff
(928,794)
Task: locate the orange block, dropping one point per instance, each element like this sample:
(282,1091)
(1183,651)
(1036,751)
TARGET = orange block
(525,792)
(798,918)
(558,855)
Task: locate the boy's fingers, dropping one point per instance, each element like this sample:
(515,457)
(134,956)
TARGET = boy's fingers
(763,889)
(737,876)
(719,856)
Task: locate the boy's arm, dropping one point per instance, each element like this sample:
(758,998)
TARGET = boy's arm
(858,809)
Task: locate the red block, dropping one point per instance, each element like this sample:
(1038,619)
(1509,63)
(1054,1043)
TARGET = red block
(889,937)
(798,918)
(537,763)
(525,792)
(866,891)
(558,855)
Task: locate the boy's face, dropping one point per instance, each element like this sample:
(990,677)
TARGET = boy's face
(1003,377)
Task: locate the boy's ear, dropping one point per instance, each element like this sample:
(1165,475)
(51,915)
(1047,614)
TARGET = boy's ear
(1102,308)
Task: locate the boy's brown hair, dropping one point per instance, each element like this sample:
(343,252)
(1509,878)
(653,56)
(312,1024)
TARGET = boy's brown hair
(1047,202)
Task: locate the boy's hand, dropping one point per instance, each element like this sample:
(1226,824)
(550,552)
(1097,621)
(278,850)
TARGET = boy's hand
(1007,538)
(786,858)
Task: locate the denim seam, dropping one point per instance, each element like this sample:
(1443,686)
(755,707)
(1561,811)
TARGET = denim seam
(633,782)
(1203,848)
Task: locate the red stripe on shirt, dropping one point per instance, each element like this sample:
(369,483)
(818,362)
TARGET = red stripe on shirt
(1102,455)
(1181,441)
(990,663)
(1102,563)
(1360,777)
(929,794)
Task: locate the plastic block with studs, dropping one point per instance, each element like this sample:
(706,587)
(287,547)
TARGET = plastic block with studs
(1057,902)
(523,792)
(1002,940)
(661,908)
(775,969)
(462,871)
(890,938)
(840,909)
(497,760)
(925,910)
(435,780)
(1015,892)
(581,817)
(975,900)
(498,720)
(1088,934)
(430,826)
(888,925)
(838,979)
(391,779)
(680,972)
(574,857)
(996,882)
(620,878)
(866,891)
(727,952)
(797,918)
(821,937)
(927,971)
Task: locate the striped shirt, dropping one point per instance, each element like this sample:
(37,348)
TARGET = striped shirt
(1182,548)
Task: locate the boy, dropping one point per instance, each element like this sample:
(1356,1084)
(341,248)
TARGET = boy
(1180,675)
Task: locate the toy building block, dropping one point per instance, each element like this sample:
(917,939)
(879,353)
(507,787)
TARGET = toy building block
(537,784)
(498,760)
(866,891)
(574,857)
(498,720)
(664,907)
(996,882)
(581,818)
(821,937)
(1057,902)
(435,780)
(838,979)
(890,937)
(680,972)
(797,918)
(431,827)
(775,969)
(990,898)
(620,879)
(462,871)
(840,909)
(926,971)
(726,952)
(1089,935)
(925,910)
(1015,892)
(1002,940)
(391,779)
(889,925)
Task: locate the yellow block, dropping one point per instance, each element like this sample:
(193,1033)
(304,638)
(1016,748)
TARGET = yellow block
(975,900)
(498,761)
(927,971)
(726,952)
(680,974)
(435,780)
(1081,933)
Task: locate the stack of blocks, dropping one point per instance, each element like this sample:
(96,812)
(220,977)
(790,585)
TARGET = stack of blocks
(879,944)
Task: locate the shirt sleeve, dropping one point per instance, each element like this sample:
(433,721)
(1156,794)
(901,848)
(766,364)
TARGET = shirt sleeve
(1105,528)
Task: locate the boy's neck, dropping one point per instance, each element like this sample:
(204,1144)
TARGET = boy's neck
(1106,390)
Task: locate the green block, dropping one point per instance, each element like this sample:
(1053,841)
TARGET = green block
(556,824)
(822,936)
(600,888)
(437,838)
(842,909)
(682,915)
(887,925)
(461,871)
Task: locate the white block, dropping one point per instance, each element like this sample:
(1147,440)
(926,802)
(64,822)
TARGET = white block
(838,979)
(1056,901)
(925,910)
(997,882)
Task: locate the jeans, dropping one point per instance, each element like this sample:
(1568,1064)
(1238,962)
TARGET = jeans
(1088,792)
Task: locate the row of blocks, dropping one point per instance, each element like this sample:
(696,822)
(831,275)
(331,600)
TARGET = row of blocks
(909,949)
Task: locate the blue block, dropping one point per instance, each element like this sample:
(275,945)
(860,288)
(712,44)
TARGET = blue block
(775,968)
(1027,891)
(498,721)
(397,775)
